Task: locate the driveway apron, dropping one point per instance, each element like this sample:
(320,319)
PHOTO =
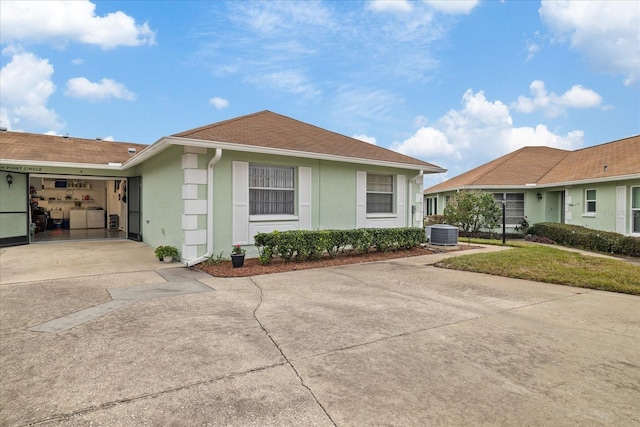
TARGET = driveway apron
(398,342)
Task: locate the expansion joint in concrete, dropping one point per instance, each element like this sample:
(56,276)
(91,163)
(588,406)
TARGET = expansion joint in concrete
(124,401)
(266,331)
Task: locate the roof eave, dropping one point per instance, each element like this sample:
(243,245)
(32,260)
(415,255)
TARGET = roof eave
(110,166)
(537,185)
(295,153)
(591,180)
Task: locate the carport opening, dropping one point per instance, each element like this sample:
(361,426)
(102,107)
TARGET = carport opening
(77,207)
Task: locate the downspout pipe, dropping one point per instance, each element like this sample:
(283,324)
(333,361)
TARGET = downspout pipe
(216,157)
(415,178)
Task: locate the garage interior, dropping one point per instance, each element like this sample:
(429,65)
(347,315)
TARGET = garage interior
(67,208)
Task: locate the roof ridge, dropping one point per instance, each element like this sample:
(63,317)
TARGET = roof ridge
(499,162)
(605,143)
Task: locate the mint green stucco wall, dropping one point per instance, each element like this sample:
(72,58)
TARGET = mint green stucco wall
(13,199)
(552,209)
(606,208)
(162,205)
(333,198)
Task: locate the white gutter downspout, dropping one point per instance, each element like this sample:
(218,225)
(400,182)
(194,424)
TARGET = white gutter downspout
(216,157)
(415,178)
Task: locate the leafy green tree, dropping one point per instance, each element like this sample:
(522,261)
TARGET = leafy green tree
(471,210)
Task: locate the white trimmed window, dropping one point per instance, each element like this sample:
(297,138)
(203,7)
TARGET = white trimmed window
(379,193)
(635,210)
(590,201)
(514,210)
(271,190)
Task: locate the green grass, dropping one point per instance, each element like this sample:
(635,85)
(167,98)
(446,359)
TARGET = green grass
(550,265)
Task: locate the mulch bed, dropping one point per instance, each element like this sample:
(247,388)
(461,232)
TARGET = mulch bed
(252,266)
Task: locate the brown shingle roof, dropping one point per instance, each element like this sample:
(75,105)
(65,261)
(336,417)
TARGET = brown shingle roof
(26,147)
(546,166)
(266,129)
(621,157)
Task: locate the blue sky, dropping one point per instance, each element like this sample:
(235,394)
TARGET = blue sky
(455,83)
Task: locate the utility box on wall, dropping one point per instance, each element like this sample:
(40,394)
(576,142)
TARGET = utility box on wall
(443,234)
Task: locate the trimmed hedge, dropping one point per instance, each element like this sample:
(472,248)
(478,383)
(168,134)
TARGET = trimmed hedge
(302,245)
(489,235)
(585,238)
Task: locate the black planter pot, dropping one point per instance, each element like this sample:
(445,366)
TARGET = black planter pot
(237,260)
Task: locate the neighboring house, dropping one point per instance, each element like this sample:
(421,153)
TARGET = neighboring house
(206,189)
(596,187)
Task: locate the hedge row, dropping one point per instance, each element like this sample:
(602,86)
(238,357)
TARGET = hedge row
(584,238)
(301,245)
(489,235)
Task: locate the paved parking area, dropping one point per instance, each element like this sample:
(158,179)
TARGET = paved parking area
(397,343)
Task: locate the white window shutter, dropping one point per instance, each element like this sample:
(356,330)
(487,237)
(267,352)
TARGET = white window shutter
(361,199)
(304,198)
(401,197)
(240,189)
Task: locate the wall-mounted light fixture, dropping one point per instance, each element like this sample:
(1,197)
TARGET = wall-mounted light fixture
(9,179)
(539,196)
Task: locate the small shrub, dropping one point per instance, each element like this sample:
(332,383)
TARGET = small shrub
(215,259)
(266,255)
(166,251)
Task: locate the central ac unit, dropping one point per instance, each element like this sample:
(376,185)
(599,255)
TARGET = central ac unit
(442,234)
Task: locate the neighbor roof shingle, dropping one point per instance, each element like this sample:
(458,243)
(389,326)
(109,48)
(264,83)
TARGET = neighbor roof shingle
(24,146)
(266,129)
(545,166)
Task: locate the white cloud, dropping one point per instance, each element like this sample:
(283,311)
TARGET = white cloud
(427,143)
(605,32)
(553,105)
(454,7)
(420,121)
(108,138)
(480,131)
(77,61)
(290,81)
(219,103)
(390,6)
(532,49)
(59,22)
(517,138)
(26,87)
(365,138)
(81,87)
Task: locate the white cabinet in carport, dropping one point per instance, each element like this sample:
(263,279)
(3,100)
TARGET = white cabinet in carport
(95,218)
(77,218)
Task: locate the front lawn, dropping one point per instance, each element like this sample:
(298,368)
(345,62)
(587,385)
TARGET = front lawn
(551,265)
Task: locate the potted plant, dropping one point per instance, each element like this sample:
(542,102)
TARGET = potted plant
(167,253)
(237,256)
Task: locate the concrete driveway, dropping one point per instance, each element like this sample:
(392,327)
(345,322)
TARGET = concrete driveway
(394,343)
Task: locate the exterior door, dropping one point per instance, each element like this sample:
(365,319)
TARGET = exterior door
(621,209)
(134,208)
(14,209)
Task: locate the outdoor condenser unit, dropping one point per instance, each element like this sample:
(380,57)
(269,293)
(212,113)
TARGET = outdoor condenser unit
(442,234)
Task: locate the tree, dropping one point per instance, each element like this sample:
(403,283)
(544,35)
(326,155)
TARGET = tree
(472,210)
